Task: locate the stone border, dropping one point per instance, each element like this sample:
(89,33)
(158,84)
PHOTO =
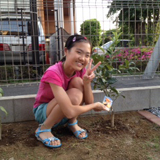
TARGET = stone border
(20,108)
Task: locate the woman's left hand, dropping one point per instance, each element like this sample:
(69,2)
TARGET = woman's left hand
(89,75)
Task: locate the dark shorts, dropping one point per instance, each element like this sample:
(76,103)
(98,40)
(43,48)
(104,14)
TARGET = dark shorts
(41,116)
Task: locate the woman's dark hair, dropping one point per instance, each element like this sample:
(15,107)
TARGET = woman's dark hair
(73,39)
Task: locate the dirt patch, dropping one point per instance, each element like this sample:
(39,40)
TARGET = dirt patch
(132,138)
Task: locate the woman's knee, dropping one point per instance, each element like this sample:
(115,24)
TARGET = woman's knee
(76,82)
(75,95)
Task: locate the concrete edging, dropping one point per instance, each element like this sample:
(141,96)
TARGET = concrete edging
(20,108)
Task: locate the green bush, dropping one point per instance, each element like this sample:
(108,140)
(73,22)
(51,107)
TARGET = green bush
(92,30)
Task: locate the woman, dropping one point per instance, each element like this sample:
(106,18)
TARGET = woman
(63,89)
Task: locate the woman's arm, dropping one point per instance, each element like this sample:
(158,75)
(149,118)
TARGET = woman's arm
(88,95)
(69,110)
(87,79)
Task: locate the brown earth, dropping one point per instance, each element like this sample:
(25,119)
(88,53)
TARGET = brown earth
(132,138)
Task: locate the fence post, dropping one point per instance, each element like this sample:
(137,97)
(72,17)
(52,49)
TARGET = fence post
(34,34)
(153,63)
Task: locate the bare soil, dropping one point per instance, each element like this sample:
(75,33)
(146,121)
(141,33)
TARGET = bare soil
(132,138)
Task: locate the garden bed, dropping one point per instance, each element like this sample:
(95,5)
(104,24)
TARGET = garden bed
(133,138)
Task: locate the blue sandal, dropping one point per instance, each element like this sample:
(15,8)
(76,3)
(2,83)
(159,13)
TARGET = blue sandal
(49,140)
(77,133)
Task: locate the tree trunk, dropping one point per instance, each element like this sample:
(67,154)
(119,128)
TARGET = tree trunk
(112,119)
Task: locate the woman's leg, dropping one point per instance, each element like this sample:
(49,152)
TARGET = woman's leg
(78,84)
(54,113)
(75,93)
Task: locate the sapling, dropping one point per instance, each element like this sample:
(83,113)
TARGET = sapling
(3,110)
(104,79)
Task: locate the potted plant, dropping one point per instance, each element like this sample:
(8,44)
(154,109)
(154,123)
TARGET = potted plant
(3,110)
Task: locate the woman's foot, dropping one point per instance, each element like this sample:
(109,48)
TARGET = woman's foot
(78,131)
(47,137)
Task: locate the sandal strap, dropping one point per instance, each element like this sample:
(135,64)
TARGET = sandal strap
(41,131)
(49,140)
(72,124)
(77,133)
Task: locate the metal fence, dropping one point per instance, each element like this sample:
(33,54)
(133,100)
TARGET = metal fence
(33,33)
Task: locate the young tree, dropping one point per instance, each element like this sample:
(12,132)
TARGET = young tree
(104,79)
(92,30)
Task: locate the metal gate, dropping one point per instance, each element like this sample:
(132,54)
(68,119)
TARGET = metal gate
(33,34)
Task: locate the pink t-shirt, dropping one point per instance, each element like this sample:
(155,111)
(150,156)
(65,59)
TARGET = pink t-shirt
(55,75)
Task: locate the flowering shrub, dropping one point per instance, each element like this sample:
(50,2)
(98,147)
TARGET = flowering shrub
(140,56)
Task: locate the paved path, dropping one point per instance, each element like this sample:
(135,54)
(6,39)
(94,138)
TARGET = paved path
(32,88)
(136,82)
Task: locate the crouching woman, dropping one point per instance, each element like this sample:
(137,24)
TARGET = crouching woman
(63,90)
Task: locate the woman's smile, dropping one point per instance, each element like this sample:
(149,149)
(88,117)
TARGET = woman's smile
(79,64)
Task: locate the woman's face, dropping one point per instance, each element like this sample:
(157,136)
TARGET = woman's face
(78,56)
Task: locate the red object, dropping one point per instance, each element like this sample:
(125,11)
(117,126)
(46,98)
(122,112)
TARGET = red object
(47,58)
(4,47)
(95,51)
(41,47)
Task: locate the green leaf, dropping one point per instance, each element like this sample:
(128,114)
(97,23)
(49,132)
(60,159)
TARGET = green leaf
(102,49)
(2,109)
(112,80)
(101,82)
(106,74)
(109,51)
(126,63)
(122,67)
(109,67)
(96,58)
(114,89)
(132,63)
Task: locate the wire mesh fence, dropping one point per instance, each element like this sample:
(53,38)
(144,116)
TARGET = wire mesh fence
(33,34)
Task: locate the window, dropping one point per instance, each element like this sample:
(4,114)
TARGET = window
(13,27)
(12,5)
(7,5)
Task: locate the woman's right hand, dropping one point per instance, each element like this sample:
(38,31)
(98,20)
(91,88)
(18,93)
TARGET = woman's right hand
(100,107)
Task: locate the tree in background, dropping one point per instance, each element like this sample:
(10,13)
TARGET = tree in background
(92,30)
(107,36)
(137,20)
(157,32)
